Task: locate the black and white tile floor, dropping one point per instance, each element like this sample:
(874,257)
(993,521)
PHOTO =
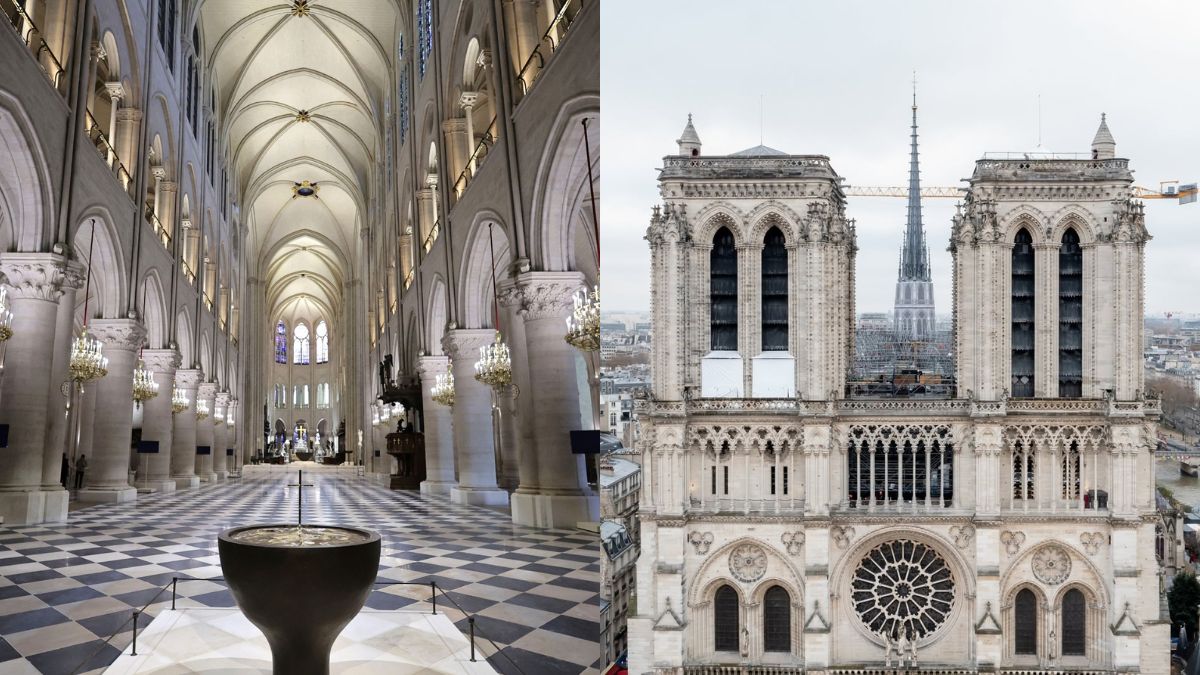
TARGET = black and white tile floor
(66,588)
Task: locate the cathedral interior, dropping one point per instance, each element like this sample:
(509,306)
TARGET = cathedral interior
(793,521)
(241,237)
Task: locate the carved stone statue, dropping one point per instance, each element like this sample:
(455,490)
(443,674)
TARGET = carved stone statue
(745,642)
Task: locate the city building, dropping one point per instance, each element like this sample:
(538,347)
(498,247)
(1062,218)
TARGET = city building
(1007,525)
(620,485)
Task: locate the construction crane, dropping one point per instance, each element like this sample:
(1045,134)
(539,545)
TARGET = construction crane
(1186,194)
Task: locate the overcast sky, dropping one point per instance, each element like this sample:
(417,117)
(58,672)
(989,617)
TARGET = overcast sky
(835,78)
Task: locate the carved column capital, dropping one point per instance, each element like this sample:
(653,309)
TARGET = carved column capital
(161,360)
(223,399)
(35,276)
(116,90)
(189,378)
(468,100)
(158,172)
(465,343)
(75,275)
(206,391)
(119,334)
(547,294)
(429,367)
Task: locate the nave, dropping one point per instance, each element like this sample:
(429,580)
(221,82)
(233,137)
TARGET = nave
(64,589)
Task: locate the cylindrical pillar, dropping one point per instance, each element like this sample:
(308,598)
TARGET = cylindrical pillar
(220,435)
(183,436)
(207,393)
(112,425)
(438,430)
(35,284)
(58,395)
(473,448)
(154,468)
(563,497)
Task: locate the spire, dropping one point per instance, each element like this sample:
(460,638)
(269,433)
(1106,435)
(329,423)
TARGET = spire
(689,140)
(914,257)
(1103,145)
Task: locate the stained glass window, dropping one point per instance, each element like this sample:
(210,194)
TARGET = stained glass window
(774,292)
(424,33)
(1074,624)
(725,624)
(723,290)
(1026,623)
(1022,315)
(322,343)
(403,108)
(300,345)
(777,620)
(1070,316)
(280,343)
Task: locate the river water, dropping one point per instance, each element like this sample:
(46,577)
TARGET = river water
(1186,488)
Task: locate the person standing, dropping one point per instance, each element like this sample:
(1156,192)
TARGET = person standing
(65,471)
(80,468)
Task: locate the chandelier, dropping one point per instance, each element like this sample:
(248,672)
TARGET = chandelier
(443,388)
(495,361)
(87,358)
(144,386)
(179,401)
(201,409)
(375,417)
(229,418)
(385,413)
(495,364)
(6,316)
(583,326)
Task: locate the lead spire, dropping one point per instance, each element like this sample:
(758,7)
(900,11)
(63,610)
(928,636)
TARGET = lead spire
(914,257)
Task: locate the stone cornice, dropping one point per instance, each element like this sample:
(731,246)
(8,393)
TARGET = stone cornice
(34,276)
(118,334)
(162,360)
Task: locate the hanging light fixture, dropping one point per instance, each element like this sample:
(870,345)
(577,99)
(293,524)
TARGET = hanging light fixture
(6,316)
(583,326)
(87,354)
(443,388)
(144,386)
(179,401)
(494,366)
(201,409)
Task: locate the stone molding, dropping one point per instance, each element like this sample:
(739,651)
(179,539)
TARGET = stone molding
(188,378)
(34,276)
(129,115)
(75,275)
(120,334)
(545,295)
(465,342)
(162,360)
(222,400)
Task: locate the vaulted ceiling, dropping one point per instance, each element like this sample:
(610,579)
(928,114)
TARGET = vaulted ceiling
(300,88)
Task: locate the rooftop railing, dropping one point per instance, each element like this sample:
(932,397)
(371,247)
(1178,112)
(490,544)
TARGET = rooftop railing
(432,236)
(476,159)
(108,153)
(32,37)
(550,41)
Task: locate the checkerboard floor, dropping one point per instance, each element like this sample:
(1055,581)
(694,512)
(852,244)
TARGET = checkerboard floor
(65,588)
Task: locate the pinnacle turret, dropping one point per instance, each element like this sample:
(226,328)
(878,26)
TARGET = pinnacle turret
(1103,145)
(689,140)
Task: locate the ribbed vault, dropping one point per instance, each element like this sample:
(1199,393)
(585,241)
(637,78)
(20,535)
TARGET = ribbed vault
(299,90)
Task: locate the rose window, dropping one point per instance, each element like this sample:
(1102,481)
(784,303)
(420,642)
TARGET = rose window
(901,587)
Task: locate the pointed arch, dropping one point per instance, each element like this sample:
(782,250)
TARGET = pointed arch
(154,310)
(436,313)
(560,192)
(26,201)
(476,275)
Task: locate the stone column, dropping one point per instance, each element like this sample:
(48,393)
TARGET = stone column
(128,120)
(457,151)
(468,100)
(220,435)
(183,437)
(116,91)
(154,469)
(233,463)
(438,430)
(57,397)
(473,448)
(506,400)
(563,497)
(168,192)
(35,282)
(204,433)
(112,427)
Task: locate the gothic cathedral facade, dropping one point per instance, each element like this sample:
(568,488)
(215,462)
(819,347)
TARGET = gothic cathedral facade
(789,526)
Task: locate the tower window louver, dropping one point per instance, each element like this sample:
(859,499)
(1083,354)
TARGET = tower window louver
(723,290)
(1022,315)
(1070,316)
(774,292)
